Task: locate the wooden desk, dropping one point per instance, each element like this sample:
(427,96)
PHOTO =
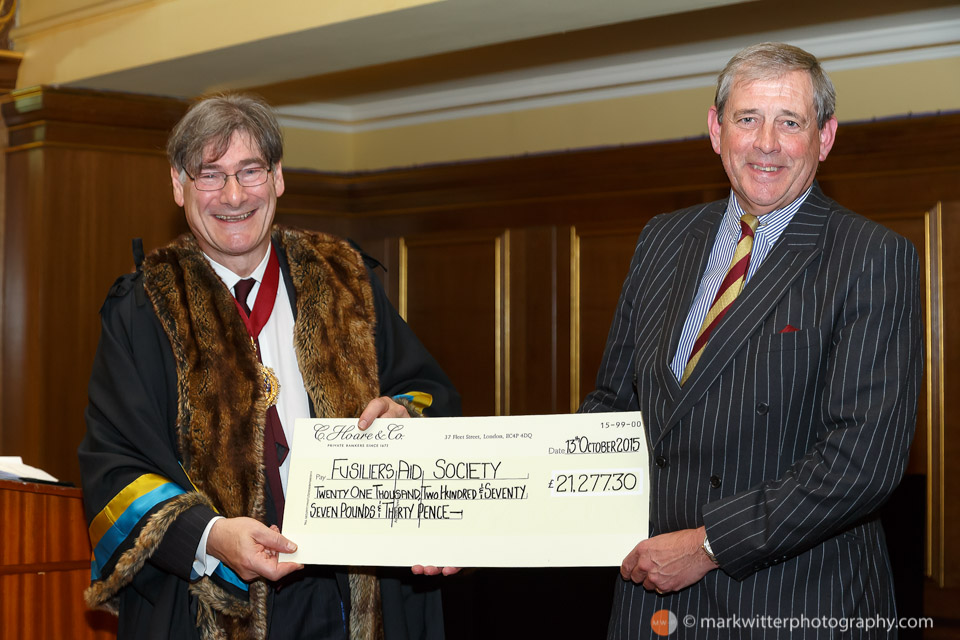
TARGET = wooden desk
(45,565)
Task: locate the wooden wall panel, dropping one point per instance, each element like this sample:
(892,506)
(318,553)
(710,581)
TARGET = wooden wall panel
(892,171)
(601,259)
(459,312)
(535,330)
(539,320)
(944,362)
(87,211)
(86,173)
(481,254)
(942,590)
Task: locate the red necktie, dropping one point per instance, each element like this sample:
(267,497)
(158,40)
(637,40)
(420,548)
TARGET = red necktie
(275,446)
(729,290)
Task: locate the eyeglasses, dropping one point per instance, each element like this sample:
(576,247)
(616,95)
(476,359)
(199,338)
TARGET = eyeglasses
(216,180)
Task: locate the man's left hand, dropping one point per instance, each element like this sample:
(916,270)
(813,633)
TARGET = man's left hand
(382,407)
(668,562)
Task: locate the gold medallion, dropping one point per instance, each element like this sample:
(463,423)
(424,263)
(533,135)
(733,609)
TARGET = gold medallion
(271,384)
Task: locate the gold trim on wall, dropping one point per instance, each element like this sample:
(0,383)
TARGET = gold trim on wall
(46,144)
(574,319)
(498,328)
(934,347)
(503,324)
(402,294)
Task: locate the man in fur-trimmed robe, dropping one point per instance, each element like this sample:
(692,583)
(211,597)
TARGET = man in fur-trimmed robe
(208,353)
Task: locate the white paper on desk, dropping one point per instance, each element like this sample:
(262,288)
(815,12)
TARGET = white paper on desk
(12,468)
(516,491)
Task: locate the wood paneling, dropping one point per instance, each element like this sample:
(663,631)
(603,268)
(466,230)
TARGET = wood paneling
(580,213)
(508,269)
(539,330)
(86,173)
(600,260)
(45,566)
(466,326)
(943,367)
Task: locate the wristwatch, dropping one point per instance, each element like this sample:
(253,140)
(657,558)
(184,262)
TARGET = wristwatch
(707,550)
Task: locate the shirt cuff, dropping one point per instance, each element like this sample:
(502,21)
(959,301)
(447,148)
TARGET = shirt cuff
(203,563)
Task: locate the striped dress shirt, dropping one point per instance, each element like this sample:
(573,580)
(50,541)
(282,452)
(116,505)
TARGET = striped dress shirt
(771,226)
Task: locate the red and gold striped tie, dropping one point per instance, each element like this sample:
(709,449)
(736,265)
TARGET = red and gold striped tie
(729,290)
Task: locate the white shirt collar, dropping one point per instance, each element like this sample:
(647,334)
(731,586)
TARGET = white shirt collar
(230,279)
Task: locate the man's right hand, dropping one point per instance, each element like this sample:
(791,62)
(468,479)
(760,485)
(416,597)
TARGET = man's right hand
(250,548)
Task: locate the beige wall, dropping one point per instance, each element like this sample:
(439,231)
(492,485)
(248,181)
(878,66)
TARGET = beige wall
(862,94)
(65,41)
(68,40)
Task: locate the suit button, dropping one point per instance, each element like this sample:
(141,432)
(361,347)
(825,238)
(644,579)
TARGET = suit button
(763,408)
(715,482)
(661,462)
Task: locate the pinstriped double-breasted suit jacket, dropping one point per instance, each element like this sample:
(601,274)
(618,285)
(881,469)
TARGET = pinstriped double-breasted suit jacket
(783,444)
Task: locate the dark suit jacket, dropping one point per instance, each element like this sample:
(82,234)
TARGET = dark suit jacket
(783,444)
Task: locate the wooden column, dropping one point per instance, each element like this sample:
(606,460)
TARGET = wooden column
(85,173)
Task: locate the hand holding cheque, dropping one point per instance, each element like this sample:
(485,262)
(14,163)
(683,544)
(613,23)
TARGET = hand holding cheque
(521,491)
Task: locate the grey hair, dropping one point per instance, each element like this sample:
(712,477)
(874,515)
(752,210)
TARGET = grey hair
(211,124)
(771,60)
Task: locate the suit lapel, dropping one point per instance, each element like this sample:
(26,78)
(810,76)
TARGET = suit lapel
(691,263)
(800,243)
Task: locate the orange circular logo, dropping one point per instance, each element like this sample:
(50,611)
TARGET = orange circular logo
(663,622)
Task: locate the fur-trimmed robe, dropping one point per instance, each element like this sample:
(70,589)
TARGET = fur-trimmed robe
(188,416)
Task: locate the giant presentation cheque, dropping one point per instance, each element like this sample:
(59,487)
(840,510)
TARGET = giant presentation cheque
(518,491)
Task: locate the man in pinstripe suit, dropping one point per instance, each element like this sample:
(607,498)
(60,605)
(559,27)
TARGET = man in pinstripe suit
(792,425)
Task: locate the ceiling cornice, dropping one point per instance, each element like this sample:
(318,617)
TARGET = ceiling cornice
(909,37)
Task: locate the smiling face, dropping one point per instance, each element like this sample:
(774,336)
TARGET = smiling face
(769,141)
(232,225)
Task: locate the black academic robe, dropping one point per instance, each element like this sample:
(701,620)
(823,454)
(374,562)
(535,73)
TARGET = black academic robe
(132,445)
